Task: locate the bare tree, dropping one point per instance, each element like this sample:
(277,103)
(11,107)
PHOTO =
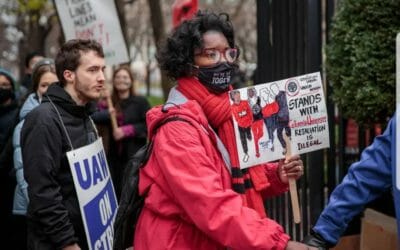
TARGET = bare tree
(33,22)
(148,22)
(10,36)
(159,32)
(121,12)
(243,17)
(140,39)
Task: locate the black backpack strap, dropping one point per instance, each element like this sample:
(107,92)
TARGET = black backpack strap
(166,120)
(131,203)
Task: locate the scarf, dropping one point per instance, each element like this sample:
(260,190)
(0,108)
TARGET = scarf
(247,182)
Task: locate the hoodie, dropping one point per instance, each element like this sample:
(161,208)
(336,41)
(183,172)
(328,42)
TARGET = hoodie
(54,217)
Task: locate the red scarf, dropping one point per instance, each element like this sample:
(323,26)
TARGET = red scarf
(247,182)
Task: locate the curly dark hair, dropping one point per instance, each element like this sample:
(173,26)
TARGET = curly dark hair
(176,54)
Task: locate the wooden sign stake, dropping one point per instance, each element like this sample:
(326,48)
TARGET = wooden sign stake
(292,184)
(113,118)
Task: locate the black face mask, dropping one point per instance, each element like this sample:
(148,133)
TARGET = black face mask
(217,78)
(5,94)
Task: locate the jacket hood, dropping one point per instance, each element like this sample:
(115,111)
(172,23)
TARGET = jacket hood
(30,103)
(58,95)
(176,105)
(8,74)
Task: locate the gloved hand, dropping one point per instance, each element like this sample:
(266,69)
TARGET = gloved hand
(316,240)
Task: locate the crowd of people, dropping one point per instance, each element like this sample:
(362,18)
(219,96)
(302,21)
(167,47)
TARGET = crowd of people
(39,197)
(196,195)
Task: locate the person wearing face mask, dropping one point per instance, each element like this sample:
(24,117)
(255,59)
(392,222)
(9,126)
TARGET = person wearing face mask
(8,105)
(196,196)
(8,117)
(131,131)
(44,74)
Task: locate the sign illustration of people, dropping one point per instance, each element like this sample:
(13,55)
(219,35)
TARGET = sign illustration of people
(282,117)
(258,121)
(269,110)
(292,110)
(243,115)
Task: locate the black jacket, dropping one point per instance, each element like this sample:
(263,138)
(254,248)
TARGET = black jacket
(134,111)
(54,217)
(8,120)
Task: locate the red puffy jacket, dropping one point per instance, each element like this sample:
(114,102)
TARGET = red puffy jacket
(190,203)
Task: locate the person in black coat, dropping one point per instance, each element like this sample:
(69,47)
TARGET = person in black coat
(58,125)
(8,106)
(131,131)
(8,119)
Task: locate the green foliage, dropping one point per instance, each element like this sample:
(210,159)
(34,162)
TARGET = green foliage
(32,5)
(361,58)
(155,100)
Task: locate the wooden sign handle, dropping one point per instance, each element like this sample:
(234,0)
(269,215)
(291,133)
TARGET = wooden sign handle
(292,184)
(113,117)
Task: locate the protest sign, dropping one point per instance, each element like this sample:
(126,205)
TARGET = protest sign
(95,191)
(97,20)
(264,113)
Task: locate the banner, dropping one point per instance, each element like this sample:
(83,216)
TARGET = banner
(97,200)
(272,116)
(98,20)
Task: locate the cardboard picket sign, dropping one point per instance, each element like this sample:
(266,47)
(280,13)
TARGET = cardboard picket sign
(95,191)
(97,20)
(263,113)
(277,119)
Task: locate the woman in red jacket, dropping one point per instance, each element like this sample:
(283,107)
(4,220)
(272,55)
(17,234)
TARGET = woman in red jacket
(196,196)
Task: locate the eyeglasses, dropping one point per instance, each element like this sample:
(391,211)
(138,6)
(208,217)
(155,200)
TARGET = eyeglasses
(215,55)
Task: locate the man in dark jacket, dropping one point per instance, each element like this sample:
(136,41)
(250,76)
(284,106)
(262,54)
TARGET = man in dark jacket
(58,125)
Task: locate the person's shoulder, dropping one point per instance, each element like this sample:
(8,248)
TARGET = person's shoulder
(41,120)
(40,113)
(29,104)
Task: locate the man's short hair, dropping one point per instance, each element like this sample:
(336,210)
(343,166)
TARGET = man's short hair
(69,55)
(29,57)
